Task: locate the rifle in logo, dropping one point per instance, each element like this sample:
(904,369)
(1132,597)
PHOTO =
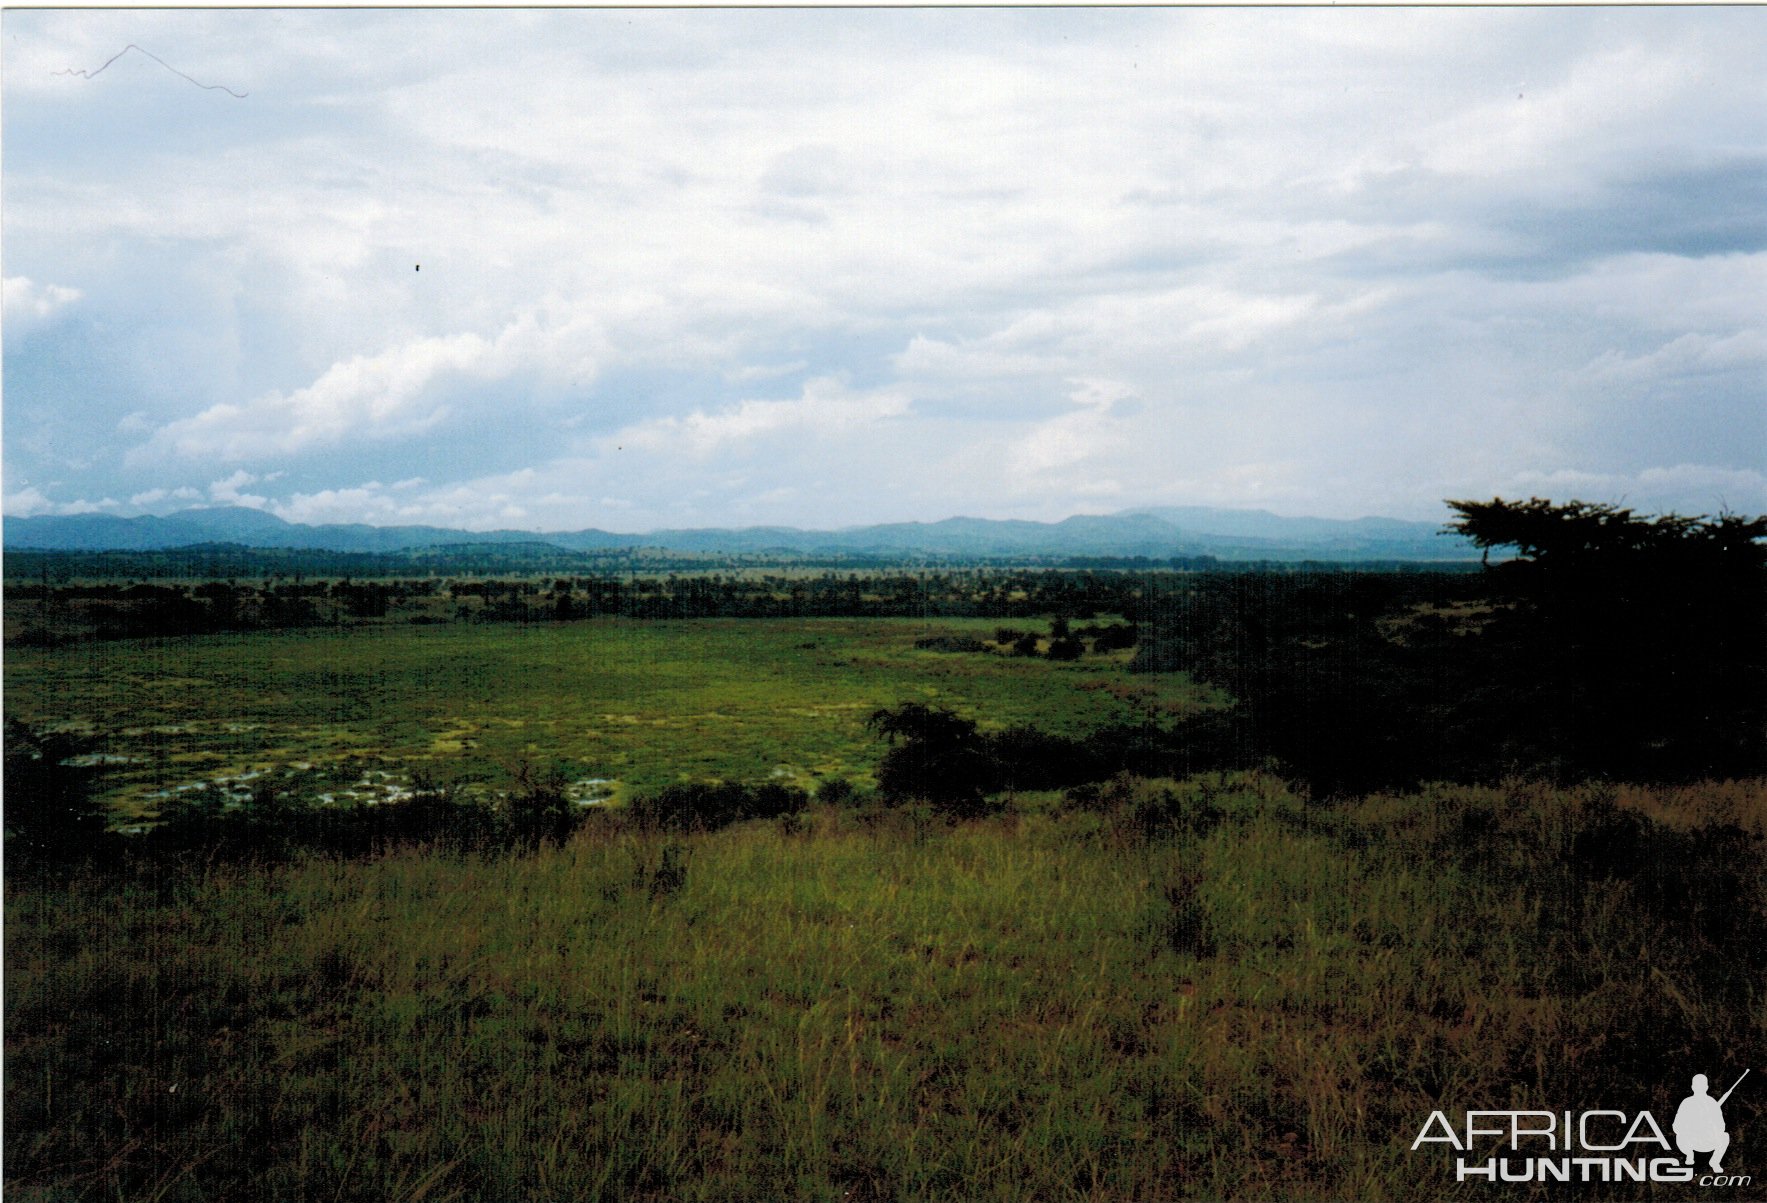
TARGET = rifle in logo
(1699,1123)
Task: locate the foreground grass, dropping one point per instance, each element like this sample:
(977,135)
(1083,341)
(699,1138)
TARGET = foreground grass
(1264,1001)
(645,703)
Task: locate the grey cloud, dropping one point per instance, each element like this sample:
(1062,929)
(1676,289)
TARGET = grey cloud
(1334,258)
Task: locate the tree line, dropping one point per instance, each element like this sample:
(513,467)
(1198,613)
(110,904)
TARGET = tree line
(1612,645)
(47,613)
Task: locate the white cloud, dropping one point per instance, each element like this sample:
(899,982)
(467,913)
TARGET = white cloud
(479,505)
(230,491)
(825,409)
(30,501)
(1679,488)
(155,496)
(1551,130)
(1084,435)
(389,395)
(28,304)
(748,373)
(1333,257)
(1692,354)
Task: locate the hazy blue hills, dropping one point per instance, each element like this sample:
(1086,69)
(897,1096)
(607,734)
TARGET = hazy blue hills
(1156,533)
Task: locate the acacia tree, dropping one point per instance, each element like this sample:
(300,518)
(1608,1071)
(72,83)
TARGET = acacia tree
(934,755)
(1579,536)
(1636,644)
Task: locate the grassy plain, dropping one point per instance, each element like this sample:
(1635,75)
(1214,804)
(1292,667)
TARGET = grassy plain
(641,703)
(1211,988)
(1265,1002)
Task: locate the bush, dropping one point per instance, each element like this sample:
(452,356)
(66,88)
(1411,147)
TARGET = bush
(1066,648)
(837,791)
(950,643)
(50,811)
(934,755)
(1110,638)
(1140,811)
(707,806)
(537,810)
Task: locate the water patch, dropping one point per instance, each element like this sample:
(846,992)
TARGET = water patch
(374,788)
(233,790)
(589,791)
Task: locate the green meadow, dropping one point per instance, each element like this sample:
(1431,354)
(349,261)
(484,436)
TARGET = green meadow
(1217,986)
(1261,1000)
(641,703)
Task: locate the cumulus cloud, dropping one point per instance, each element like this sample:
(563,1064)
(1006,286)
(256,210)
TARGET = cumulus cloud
(483,504)
(31,500)
(26,298)
(1085,434)
(28,501)
(29,304)
(1698,353)
(230,491)
(149,499)
(569,267)
(825,409)
(389,395)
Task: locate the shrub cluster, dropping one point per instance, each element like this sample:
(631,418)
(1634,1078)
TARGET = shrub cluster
(706,806)
(946,760)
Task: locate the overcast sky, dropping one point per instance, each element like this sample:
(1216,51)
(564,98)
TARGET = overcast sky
(640,269)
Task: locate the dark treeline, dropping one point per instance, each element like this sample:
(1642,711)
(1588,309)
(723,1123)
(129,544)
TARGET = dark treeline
(1613,646)
(949,762)
(221,561)
(48,612)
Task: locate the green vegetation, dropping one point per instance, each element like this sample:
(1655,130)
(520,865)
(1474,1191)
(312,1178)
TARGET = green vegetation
(1206,989)
(958,885)
(644,703)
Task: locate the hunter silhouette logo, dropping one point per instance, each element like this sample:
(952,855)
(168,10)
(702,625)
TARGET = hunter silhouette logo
(1699,1123)
(1590,1146)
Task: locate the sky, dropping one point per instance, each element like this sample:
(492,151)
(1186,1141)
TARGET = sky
(639,269)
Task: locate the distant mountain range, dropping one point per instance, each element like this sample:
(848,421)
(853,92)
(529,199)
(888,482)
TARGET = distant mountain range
(1156,533)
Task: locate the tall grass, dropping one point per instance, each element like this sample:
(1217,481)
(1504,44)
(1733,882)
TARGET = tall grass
(1209,988)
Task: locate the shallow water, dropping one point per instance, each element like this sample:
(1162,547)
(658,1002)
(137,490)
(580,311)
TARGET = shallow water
(331,785)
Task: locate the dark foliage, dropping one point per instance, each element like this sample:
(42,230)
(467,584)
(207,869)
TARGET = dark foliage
(935,756)
(707,806)
(272,828)
(944,759)
(1617,647)
(1066,648)
(1109,638)
(950,643)
(1184,924)
(836,791)
(1141,813)
(670,874)
(51,815)
(1629,646)
(105,602)
(537,810)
